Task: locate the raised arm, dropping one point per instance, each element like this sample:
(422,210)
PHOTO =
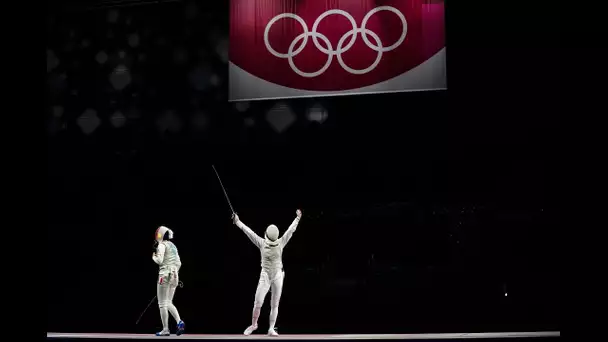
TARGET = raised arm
(258,241)
(159,256)
(292,228)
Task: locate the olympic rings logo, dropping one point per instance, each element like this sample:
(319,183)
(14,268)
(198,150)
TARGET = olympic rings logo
(340,49)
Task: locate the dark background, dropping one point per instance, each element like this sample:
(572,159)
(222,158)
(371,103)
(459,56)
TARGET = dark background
(421,210)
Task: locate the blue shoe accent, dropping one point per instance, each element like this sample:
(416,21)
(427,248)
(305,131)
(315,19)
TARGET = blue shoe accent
(181,326)
(163,333)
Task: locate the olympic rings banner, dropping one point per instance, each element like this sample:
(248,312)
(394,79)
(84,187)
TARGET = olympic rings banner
(301,48)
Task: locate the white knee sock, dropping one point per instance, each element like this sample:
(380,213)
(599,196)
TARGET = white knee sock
(174,313)
(274,312)
(164,317)
(255,315)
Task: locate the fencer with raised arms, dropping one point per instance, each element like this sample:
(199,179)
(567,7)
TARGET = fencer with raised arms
(272,274)
(167,258)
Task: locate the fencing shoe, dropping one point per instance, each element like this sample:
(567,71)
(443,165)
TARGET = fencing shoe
(181,326)
(163,333)
(249,330)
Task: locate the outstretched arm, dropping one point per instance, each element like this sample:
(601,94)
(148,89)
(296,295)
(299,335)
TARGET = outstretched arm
(292,228)
(258,241)
(159,256)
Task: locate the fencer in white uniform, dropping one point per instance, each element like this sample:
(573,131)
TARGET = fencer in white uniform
(272,274)
(167,258)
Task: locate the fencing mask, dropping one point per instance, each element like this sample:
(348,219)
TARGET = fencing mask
(160,233)
(272,232)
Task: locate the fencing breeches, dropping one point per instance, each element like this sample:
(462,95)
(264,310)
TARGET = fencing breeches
(272,281)
(165,290)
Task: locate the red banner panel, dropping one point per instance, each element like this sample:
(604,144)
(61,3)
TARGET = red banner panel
(301,48)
